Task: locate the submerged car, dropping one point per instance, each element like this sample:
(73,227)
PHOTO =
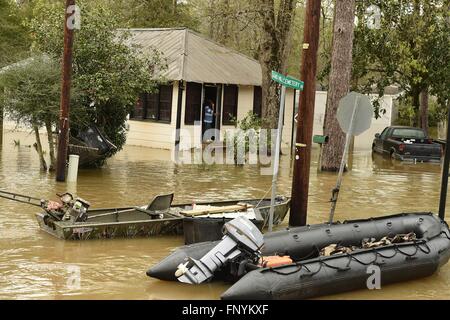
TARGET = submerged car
(406,143)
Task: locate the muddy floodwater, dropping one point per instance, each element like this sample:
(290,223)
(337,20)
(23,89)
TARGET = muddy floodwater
(34,265)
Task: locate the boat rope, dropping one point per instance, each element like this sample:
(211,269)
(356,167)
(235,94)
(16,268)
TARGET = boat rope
(264,196)
(421,242)
(316,251)
(438,235)
(352,256)
(334,267)
(298,268)
(384,256)
(310,274)
(406,254)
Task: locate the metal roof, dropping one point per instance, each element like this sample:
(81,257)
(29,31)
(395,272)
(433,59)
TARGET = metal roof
(192,57)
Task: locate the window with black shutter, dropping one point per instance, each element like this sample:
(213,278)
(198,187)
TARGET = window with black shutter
(155,106)
(193,103)
(257,101)
(230,104)
(165,103)
(151,112)
(139,108)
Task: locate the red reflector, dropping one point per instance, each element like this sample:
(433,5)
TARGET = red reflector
(401,147)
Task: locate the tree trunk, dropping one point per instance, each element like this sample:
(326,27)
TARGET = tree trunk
(339,82)
(211,24)
(225,27)
(51,145)
(415,92)
(39,150)
(424,110)
(1,125)
(276,29)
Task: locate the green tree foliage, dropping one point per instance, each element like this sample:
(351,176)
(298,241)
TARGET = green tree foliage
(247,134)
(31,90)
(233,23)
(14,40)
(155,13)
(325,42)
(108,71)
(409,49)
(29,93)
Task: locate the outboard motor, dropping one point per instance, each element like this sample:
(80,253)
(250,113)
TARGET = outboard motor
(78,211)
(241,238)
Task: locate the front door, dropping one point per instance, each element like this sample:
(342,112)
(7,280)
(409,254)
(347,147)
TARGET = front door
(210,97)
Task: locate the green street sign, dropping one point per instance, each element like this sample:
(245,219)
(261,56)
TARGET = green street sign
(287,81)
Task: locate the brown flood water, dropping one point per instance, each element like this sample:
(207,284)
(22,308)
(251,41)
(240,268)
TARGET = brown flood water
(34,265)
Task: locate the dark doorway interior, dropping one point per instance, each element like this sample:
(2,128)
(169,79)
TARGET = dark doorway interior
(210,94)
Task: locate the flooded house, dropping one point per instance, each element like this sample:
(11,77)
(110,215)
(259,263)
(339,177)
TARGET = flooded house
(198,70)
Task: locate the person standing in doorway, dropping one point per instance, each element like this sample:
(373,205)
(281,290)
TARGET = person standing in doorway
(208,118)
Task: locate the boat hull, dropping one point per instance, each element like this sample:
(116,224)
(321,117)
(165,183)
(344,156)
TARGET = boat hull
(127,222)
(88,231)
(308,278)
(201,229)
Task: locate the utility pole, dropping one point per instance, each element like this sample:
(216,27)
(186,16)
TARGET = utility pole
(65,93)
(444,179)
(1,125)
(300,181)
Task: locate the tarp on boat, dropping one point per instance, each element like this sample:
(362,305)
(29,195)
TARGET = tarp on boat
(90,145)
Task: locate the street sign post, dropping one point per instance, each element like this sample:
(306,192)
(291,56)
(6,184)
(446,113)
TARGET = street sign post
(287,81)
(296,84)
(354,115)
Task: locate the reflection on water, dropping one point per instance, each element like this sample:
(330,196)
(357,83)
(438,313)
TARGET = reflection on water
(34,265)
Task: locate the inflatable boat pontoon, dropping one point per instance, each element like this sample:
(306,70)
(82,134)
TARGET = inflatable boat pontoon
(311,274)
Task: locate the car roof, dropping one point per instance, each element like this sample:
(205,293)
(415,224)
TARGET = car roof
(405,127)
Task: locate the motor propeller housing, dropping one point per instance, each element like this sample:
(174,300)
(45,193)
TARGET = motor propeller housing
(241,237)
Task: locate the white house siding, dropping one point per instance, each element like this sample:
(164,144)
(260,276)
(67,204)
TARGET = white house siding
(154,134)
(287,127)
(187,139)
(162,136)
(245,101)
(364,140)
(245,104)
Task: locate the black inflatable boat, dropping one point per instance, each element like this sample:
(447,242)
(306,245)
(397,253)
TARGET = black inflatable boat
(311,274)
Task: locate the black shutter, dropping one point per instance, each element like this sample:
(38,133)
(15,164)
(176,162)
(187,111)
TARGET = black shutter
(139,108)
(230,104)
(193,102)
(165,103)
(257,101)
(151,111)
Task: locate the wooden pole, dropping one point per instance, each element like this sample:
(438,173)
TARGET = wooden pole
(300,181)
(65,96)
(1,125)
(350,153)
(444,179)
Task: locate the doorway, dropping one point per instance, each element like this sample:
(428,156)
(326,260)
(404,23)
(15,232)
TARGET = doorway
(211,93)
